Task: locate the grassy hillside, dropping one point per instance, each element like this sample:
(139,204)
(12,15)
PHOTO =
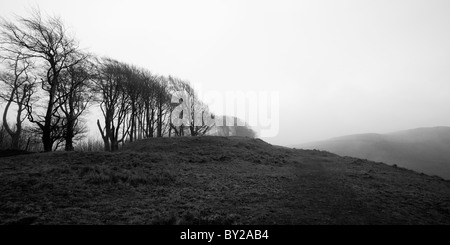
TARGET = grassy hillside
(424,150)
(214,180)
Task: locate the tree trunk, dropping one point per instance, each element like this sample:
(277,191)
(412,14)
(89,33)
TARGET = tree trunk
(47,129)
(133,121)
(159,120)
(15,141)
(107,146)
(114,145)
(69,144)
(47,140)
(152,123)
(105,138)
(69,136)
(15,136)
(28,144)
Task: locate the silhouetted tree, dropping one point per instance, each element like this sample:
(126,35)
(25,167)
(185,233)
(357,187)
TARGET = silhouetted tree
(148,101)
(18,86)
(114,103)
(191,113)
(163,99)
(46,41)
(74,96)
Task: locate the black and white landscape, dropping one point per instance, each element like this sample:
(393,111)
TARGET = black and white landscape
(424,150)
(215,180)
(199,112)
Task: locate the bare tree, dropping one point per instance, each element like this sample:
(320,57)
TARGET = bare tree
(178,108)
(162,103)
(18,86)
(136,104)
(114,103)
(148,102)
(201,120)
(191,112)
(74,96)
(47,41)
(132,85)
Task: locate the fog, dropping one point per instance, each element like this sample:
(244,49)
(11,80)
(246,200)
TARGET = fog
(340,67)
(424,150)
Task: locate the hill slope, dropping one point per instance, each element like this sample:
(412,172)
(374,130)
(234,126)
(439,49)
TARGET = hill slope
(214,180)
(424,150)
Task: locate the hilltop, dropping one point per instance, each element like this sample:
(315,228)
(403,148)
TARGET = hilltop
(215,180)
(423,149)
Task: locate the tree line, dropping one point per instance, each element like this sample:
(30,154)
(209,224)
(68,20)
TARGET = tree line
(51,82)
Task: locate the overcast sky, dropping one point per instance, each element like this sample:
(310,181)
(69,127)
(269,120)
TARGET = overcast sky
(340,67)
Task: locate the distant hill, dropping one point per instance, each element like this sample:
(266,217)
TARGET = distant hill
(214,180)
(424,150)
